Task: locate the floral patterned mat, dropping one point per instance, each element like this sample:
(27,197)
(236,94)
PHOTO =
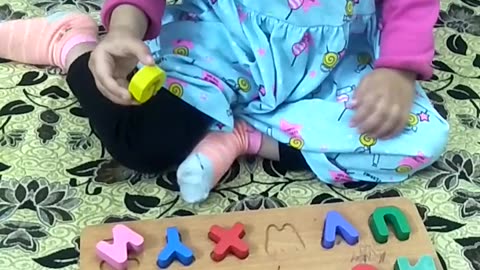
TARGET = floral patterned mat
(54,171)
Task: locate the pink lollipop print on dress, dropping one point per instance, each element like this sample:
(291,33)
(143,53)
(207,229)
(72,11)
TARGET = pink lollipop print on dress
(299,47)
(340,177)
(296,140)
(343,96)
(294,5)
(290,128)
(410,164)
(297,4)
(208,77)
(262,90)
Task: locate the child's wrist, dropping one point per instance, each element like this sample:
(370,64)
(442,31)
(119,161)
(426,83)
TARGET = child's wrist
(123,31)
(411,75)
(130,20)
(408,74)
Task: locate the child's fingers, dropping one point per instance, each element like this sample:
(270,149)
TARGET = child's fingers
(110,89)
(361,114)
(103,70)
(386,119)
(360,91)
(352,105)
(140,50)
(112,97)
(372,122)
(398,129)
(365,105)
(120,94)
(123,82)
(400,126)
(386,129)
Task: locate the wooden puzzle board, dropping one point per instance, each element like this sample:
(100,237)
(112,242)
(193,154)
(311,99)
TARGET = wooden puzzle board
(279,239)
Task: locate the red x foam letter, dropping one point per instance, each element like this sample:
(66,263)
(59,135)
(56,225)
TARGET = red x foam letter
(228,241)
(364,267)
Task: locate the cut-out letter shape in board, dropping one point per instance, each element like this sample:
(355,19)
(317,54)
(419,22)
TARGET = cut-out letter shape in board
(364,267)
(392,215)
(424,263)
(335,224)
(174,250)
(124,241)
(228,241)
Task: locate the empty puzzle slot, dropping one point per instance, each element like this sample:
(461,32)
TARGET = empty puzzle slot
(132,264)
(283,239)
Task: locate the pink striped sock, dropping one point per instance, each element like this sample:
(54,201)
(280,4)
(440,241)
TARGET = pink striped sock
(47,40)
(72,42)
(212,158)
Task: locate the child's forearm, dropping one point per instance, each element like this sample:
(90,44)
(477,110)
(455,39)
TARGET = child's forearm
(407,40)
(127,17)
(144,16)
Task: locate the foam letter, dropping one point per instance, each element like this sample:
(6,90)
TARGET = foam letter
(395,217)
(124,241)
(228,241)
(364,267)
(335,224)
(424,263)
(174,250)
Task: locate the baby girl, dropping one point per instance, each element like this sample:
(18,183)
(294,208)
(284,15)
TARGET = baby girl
(329,86)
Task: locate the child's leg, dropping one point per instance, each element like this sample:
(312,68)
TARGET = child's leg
(128,133)
(46,40)
(270,149)
(76,51)
(143,138)
(214,155)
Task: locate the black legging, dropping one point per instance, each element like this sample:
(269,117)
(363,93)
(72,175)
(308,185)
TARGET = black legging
(154,136)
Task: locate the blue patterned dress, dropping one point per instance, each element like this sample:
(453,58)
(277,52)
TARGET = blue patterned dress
(289,68)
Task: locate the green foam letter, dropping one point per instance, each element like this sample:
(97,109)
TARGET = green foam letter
(395,217)
(424,263)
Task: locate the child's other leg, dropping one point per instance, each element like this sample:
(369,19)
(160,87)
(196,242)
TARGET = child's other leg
(357,157)
(422,142)
(46,40)
(213,156)
(336,153)
(149,138)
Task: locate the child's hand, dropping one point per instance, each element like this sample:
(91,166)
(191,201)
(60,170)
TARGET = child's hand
(114,59)
(383,101)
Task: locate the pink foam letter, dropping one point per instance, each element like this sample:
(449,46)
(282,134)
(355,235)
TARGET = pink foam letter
(124,241)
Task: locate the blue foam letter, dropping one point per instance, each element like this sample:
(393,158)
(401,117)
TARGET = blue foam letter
(174,250)
(336,224)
